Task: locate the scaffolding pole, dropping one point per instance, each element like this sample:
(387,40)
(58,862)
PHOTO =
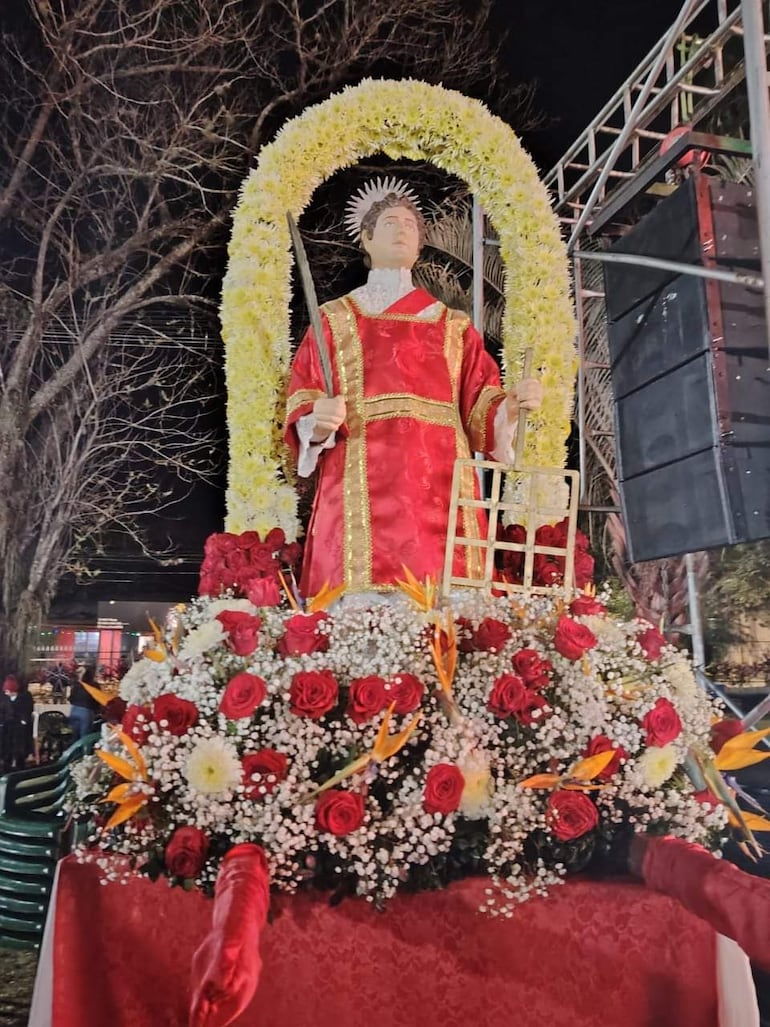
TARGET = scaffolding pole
(477,224)
(759,119)
(621,141)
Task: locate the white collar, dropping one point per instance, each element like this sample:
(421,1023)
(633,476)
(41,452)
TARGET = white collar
(384,286)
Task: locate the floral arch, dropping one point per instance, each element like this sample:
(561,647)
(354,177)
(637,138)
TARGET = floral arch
(405,120)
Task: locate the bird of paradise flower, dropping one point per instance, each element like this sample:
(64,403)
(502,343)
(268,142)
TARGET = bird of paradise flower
(134,791)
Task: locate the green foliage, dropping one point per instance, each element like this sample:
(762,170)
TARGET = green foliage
(739,582)
(619,604)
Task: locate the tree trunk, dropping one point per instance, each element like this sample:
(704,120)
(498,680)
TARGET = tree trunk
(19,630)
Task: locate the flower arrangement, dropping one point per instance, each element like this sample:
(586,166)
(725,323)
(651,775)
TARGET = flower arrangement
(406,120)
(548,567)
(369,748)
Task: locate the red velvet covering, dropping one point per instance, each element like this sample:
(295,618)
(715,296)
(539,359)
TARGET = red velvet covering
(733,902)
(609,955)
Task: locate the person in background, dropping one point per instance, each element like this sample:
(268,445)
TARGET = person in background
(83,705)
(15,724)
(59,680)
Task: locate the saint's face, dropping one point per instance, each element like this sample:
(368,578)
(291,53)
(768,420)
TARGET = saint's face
(395,241)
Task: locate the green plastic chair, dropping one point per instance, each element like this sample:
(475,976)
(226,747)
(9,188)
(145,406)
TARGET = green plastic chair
(33,837)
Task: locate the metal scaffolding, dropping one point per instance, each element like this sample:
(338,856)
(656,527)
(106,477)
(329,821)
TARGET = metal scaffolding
(713,47)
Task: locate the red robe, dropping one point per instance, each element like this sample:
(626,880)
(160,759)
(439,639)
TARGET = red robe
(420,392)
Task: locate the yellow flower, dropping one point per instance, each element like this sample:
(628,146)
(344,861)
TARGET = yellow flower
(474,802)
(658,764)
(404,119)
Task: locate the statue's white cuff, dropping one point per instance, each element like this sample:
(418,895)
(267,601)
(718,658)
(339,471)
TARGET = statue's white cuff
(505,435)
(309,452)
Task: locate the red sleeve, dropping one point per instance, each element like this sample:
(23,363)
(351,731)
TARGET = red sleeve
(306,383)
(480,392)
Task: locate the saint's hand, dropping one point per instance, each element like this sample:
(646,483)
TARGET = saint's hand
(525,395)
(329,415)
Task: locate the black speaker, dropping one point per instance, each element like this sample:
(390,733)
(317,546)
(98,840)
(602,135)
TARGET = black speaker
(690,377)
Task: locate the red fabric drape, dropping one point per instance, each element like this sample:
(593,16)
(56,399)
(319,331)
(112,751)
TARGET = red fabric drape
(226,966)
(733,902)
(590,955)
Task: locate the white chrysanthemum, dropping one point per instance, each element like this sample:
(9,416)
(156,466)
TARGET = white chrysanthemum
(658,764)
(213,766)
(678,672)
(218,606)
(475,800)
(606,630)
(201,639)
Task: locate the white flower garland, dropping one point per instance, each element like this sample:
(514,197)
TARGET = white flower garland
(406,120)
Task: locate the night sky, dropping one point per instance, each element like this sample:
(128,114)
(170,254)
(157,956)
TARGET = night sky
(578,52)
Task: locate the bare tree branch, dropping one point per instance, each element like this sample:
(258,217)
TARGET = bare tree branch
(127,130)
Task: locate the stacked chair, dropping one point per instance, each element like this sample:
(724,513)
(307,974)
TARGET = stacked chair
(33,837)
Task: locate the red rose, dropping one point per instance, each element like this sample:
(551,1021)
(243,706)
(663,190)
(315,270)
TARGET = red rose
(536,705)
(302,635)
(186,852)
(136,723)
(512,561)
(723,731)
(339,812)
(601,743)
(242,695)
(550,535)
(180,714)
(534,671)
(491,635)
(570,815)
(247,539)
(217,545)
(115,710)
(209,583)
(662,724)
(290,555)
(242,630)
(263,591)
(651,642)
(584,569)
(367,696)
(444,786)
(586,606)
(313,693)
(547,572)
(237,562)
(261,558)
(464,635)
(259,768)
(275,539)
(571,639)
(407,692)
(511,697)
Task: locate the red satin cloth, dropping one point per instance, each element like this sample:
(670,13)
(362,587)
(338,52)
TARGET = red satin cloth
(733,902)
(591,955)
(226,966)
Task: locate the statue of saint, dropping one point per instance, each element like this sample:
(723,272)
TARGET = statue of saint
(414,390)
